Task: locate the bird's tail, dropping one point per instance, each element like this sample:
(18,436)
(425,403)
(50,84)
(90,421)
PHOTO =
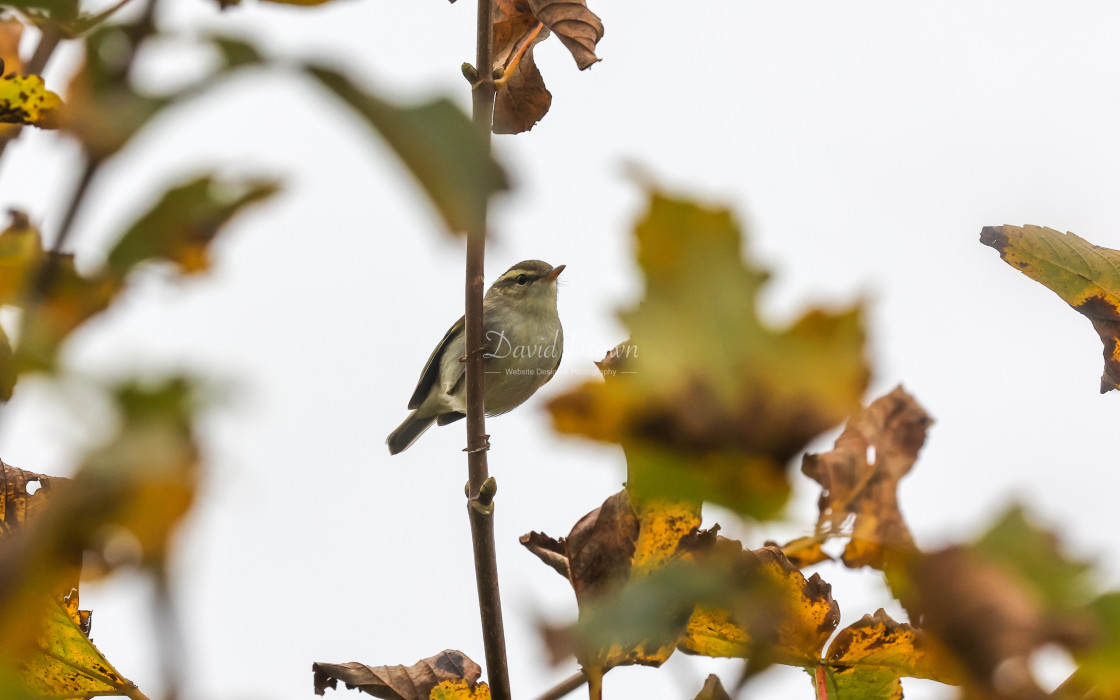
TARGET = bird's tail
(412,428)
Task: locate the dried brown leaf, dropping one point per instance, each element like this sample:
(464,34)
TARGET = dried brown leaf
(578,28)
(859,478)
(712,690)
(523,100)
(413,682)
(548,550)
(17,503)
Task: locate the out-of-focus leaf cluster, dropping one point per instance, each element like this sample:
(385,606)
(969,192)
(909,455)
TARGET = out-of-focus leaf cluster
(711,404)
(127,496)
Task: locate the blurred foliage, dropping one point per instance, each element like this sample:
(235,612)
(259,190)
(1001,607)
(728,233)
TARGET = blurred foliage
(439,145)
(709,402)
(1085,276)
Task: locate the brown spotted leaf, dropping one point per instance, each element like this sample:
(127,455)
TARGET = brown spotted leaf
(771,611)
(868,658)
(712,406)
(859,479)
(11,31)
(578,28)
(1085,276)
(25,100)
(45,649)
(415,682)
(64,663)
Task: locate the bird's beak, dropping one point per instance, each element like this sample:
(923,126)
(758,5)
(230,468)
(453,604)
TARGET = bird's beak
(555,273)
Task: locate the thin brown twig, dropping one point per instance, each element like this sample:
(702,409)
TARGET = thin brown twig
(564,687)
(482,520)
(49,271)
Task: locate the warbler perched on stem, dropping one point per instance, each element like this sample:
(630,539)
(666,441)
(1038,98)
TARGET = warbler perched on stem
(523,342)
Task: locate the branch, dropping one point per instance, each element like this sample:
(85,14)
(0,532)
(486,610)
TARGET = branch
(480,506)
(564,687)
(49,270)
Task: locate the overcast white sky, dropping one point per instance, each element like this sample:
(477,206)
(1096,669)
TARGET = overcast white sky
(863,144)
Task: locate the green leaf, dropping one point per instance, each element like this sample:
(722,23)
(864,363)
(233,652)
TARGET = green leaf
(181,226)
(1097,668)
(63,663)
(438,144)
(59,11)
(105,111)
(1086,276)
(1036,555)
(708,401)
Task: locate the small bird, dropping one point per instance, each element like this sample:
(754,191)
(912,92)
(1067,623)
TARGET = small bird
(523,342)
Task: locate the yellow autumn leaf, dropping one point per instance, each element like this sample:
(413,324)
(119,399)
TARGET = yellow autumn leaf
(63,663)
(460,690)
(620,542)
(21,252)
(868,658)
(25,99)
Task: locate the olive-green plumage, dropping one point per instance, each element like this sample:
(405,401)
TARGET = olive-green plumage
(523,342)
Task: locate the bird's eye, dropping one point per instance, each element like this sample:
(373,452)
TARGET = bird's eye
(522,279)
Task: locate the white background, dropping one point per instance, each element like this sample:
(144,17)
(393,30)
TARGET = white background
(863,145)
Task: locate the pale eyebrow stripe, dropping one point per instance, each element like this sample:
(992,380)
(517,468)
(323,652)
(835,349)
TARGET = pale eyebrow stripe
(512,274)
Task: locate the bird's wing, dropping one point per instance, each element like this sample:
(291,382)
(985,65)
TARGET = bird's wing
(430,375)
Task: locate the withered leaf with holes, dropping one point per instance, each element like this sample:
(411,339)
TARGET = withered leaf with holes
(859,478)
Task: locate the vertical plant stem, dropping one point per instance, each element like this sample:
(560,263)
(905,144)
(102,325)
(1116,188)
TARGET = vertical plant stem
(482,519)
(821,683)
